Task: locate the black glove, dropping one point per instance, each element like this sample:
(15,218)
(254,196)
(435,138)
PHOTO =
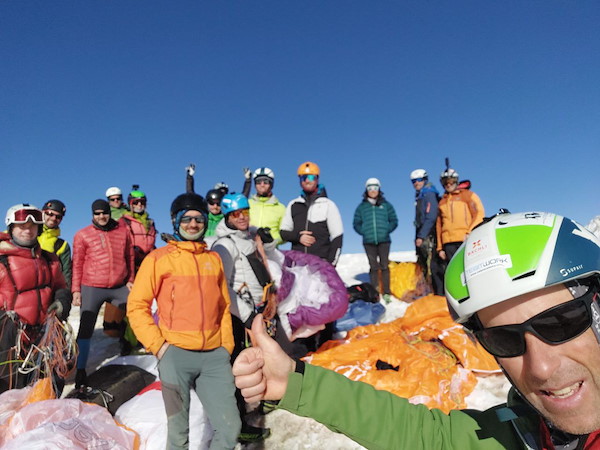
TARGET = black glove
(264,233)
(167,237)
(62,304)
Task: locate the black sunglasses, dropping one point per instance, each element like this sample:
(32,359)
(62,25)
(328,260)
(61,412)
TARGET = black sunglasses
(188,219)
(554,326)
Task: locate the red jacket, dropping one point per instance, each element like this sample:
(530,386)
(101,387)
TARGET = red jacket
(102,258)
(143,240)
(28,284)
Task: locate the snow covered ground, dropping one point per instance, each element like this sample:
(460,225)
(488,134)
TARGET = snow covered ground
(291,432)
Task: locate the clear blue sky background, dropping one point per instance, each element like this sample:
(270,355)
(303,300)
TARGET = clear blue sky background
(115,92)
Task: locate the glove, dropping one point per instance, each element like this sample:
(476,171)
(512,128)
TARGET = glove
(264,233)
(247,173)
(191,169)
(62,304)
(167,237)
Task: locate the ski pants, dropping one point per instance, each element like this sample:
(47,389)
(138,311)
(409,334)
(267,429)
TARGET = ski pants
(379,259)
(432,265)
(208,373)
(92,299)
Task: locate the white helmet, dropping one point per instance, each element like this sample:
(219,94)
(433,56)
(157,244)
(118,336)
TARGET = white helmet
(418,173)
(514,254)
(449,173)
(264,172)
(113,191)
(372,182)
(23,212)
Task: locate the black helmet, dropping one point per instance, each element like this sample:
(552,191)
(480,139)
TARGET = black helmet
(214,196)
(55,205)
(189,200)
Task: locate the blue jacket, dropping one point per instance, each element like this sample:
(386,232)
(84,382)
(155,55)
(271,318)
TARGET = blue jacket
(375,222)
(426,211)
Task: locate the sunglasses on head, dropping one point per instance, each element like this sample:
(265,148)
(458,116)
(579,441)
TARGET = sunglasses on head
(239,213)
(23,215)
(53,214)
(416,180)
(554,326)
(308,177)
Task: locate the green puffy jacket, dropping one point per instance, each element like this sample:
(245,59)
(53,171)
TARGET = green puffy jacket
(267,212)
(375,222)
(381,420)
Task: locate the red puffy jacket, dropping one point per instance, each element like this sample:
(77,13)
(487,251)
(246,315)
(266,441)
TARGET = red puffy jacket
(102,258)
(28,284)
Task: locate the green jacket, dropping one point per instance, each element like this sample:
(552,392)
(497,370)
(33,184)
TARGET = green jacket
(213,220)
(50,241)
(381,420)
(267,212)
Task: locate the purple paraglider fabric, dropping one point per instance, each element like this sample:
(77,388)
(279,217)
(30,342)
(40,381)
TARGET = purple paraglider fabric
(319,296)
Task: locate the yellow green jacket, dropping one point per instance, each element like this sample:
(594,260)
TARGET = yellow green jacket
(267,212)
(51,242)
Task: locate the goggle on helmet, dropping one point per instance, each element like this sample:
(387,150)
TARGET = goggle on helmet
(514,254)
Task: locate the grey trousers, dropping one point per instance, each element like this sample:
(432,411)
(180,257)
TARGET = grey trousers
(208,373)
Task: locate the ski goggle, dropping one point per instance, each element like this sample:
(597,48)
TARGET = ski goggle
(373,187)
(23,215)
(416,180)
(553,326)
(308,177)
(188,219)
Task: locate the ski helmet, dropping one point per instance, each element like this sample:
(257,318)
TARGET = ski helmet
(372,182)
(264,172)
(418,173)
(23,212)
(56,206)
(308,168)
(233,202)
(514,254)
(222,186)
(134,195)
(448,173)
(214,196)
(113,191)
(187,201)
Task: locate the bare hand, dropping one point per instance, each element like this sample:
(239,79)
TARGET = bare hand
(418,242)
(442,254)
(261,371)
(306,238)
(129,285)
(76,299)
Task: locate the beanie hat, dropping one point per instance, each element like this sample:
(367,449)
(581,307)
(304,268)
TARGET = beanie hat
(101,205)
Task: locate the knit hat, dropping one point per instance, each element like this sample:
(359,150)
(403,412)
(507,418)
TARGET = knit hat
(101,205)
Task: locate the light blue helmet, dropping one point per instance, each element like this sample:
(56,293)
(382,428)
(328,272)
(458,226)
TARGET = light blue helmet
(233,202)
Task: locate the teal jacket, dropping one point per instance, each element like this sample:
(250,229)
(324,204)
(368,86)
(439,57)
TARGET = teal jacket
(381,420)
(375,222)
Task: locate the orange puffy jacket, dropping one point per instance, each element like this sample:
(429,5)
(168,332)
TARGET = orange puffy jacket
(458,213)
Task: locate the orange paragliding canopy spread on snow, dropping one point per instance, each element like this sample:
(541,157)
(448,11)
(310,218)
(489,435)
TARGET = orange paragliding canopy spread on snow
(424,356)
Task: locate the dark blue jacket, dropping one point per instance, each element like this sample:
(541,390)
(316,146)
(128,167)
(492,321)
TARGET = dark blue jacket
(426,211)
(375,222)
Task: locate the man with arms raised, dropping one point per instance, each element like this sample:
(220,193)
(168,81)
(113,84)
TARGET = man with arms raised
(527,284)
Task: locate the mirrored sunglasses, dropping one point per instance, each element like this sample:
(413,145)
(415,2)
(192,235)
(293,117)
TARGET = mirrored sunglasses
(416,180)
(23,215)
(240,213)
(188,219)
(308,177)
(554,326)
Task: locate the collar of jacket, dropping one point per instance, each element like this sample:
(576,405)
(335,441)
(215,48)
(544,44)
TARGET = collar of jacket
(50,232)
(271,200)
(189,246)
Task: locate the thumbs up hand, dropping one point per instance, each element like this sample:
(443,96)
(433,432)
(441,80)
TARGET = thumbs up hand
(261,371)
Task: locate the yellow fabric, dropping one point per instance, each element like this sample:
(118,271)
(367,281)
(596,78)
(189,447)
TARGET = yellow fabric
(458,213)
(435,359)
(189,286)
(48,238)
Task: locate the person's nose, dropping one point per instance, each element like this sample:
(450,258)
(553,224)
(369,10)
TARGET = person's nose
(541,360)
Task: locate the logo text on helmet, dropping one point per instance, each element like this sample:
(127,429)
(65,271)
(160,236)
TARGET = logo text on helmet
(570,270)
(500,261)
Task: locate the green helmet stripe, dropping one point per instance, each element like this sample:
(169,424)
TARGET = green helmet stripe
(454,276)
(525,245)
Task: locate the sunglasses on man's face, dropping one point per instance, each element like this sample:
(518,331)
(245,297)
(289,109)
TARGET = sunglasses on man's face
(308,177)
(240,213)
(115,199)
(101,213)
(417,180)
(188,219)
(53,214)
(554,326)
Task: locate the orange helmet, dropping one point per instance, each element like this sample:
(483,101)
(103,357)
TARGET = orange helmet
(308,168)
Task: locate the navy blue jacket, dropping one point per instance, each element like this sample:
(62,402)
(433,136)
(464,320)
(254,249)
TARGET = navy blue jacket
(426,211)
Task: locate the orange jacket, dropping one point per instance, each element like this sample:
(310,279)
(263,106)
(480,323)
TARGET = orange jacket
(190,289)
(458,213)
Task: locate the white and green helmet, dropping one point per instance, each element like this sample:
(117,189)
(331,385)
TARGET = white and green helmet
(514,254)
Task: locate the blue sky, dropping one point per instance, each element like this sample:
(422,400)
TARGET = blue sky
(103,93)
